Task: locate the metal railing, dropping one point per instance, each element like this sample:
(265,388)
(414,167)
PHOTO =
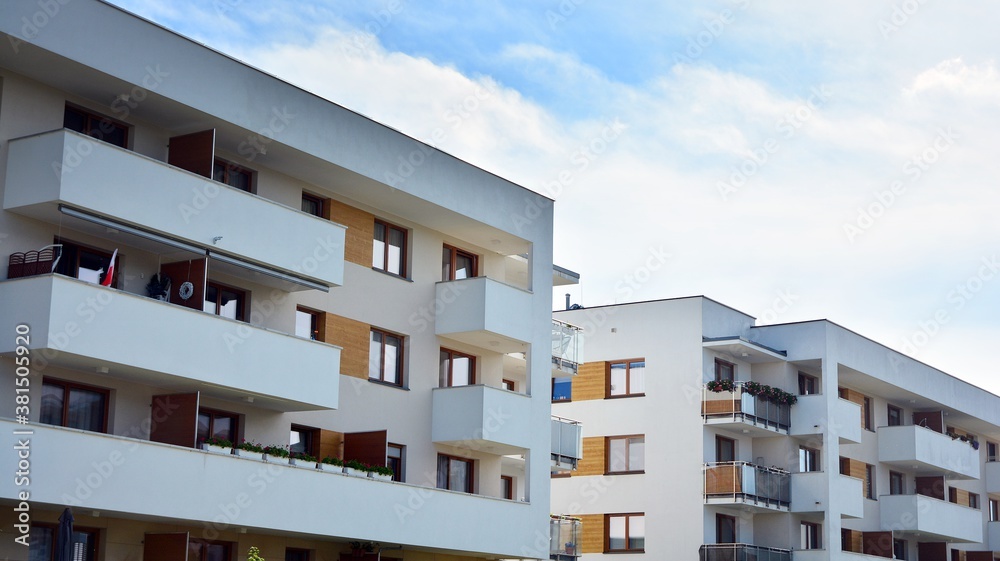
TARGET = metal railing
(564,536)
(747,483)
(742,552)
(739,405)
(567,442)
(567,346)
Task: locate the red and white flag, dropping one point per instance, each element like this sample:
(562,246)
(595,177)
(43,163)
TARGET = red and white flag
(111,270)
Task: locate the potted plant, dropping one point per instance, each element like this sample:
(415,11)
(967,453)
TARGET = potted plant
(355,468)
(720,386)
(249,449)
(254,554)
(331,463)
(217,445)
(277,454)
(359,549)
(382,473)
(301,459)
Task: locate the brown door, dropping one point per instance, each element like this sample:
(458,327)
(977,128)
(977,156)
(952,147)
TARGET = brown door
(366,447)
(877,543)
(194,152)
(193,271)
(174,419)
(165,547)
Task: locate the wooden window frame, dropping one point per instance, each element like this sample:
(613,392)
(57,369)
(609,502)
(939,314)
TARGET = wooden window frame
(91,116)
(899,547)
(453,253)
(628,444)
(229,168)
(994,509)
(895,476)
(814,455)
(974,501)
(607,532)
(404,266)
(213,413)
(471,483)
(399,475)
(508,384)
(867,422)
(399,363)
(243,299)
(452,354)
(719,439)
(317,326)
(718,527)
(808,379)
(816,531)
(320,203)
(995,448)
(73,269)
(628,378)
(312,438)
(552,396)
(95,532)
(889,410)
(198,541)
(719,363)
(870,491)
(300,550)
(510,487)
(66,387)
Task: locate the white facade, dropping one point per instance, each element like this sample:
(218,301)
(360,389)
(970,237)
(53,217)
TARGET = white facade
(781,504)
(143,200)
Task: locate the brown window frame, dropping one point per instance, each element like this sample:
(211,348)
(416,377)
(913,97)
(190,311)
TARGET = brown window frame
(607,532)
(719,364)
(397,474)
(509,385)
(628,444)
(404,266)
(72,269)
(213,413)
(320,203)
(229,168)
(974,501)
(299,551)
(317,321)
(452,354)
(813,459)
(992,451)
(718,527)
(400,371)
(66,387)
(889,410)
(870,491)
(899,547)
(243,300)
(102,120)
(719,439)
(867,422)
(994,509)
(809,379)
(470,486)
(510,487)
(95,548)
(312,438)
(897,479)
(198,541)
(453,253)
(628,378)
(816,531)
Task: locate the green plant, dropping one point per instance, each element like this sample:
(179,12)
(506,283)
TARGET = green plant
(381,470)
(333,461)
(276,451)
(355,464)
(254,554)
(216,441)
(250,446)
(304,457)
(720,386)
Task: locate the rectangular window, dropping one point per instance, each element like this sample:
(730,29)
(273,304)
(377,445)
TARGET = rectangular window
(312,204)
(899,549)
(296,554)
(897,483)
(86,263)
(866,413)
(455,474)
(96,126)
(218,424)
(307,323)
(870,481)
(952,495)
(627,378)
(303,440)
(225,301)
(562,389)
(724,371)
(625,532)
(457,264)
(232,175)
(44,539)
(808,459)
(507,487)
(457,369)
(385,357)
(626,454)
(201,550)
(991,451)
(67,404)
(994,505)
(725,528)
(974,500)
(811,536)
(808,384)
(894,416)
(395,456)
(725,449)
(389,248)
(508,385)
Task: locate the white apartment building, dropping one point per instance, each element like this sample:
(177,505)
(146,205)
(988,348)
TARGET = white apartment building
(337,290)
(693,448)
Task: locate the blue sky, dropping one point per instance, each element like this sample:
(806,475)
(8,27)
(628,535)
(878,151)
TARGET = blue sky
(796,160)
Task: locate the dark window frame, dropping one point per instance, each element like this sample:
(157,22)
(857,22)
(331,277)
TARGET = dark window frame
(720,366)
(992,450)
(807,382)
(102,122)
(71,250)
(974,501)
(400,473)
(320,203)
(628,444)
(400,371)
(814,535)
(212,415)
(866,413)
(870,491)
(509,495)
(242,299)
(508,384)
(200,542)
(229,169)
(812,458)
(404,265)
(719,538)
(994,509)
(719,440)
(893,415)
(298,554)
(311,438)
(315,327)
(68,385)
(95,533)
(563,381)
(899,549)
(628,520)
(628,378)
(451,355)
(470,485)
(453,253)
(897,483)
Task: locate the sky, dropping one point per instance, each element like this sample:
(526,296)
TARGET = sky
(793,160)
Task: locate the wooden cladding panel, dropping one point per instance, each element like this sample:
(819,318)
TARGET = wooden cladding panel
(877,543)
(165,547)
(932,551)
(932,486)
(590,381)
(852,540)
(181,271)
(174,419)
(961,496)
(929,419)
(722,479)
(354,337)
(330,444)
(591,533)
(592,462)
(194,152)
(978,556)
(366,447)
(360,231)
(716,406)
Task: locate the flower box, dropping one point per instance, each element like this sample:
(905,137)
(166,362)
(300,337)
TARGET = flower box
(216,449)
(248,454)
(379,476)
(355,472)
(303,463)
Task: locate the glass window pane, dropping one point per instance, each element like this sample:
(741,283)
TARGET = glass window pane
(636,532)
(393,359)
(211,297)
(42,542)
(442,472)
(52,404)
(562,389)
(219,172)
(83,546)
(459,476)
(86,410)
(229,304)
(443,370)
(464,266)
(636,454)
(396,257)
(311,206)
(378,249)
(446,264)
(91,266)
(297,442)
(616,532)
(222,427)
(215,552)
(637,377)
(616,455)
(618,379)
(375,356)
(461,371)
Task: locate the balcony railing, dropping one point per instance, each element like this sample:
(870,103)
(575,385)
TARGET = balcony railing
(564,537)
(567,443)
(745,483)
(742,552)
(739,405)
(567,346)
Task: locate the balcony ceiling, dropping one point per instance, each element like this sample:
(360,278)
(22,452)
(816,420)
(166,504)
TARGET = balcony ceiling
(746,351)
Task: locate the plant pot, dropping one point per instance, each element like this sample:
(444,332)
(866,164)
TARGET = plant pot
(379,477)
(216,449)
(331,467)
(355,472)
(283,460)
(248,454)
(308,464)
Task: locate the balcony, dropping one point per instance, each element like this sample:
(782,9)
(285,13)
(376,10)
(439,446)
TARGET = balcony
(284,499)
(483,312)
(740,411)
(567,349)
(756,488)
(930,519)
(993,535)
(819,491)
(567,444)
(818,415)
(992,477)
(103,181)
(742,552)
(79,325)
(928,452)
(564,536)
(481,418)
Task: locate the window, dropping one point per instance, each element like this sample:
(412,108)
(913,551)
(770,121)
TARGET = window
(627,378)
(96,126)
(897,483)
(457,264)
(626,532)
(626,454)
(395,455)
(232,175)
(724,371)
(44,539)
(385,357)
(808,459)
(218,424)
(302,440)
(85,263)
(457,369)
(200,550)
(307,323)
(808,385)
(455,474)
(312,204)
(509,385)
(562,389)
(994,505)
(296,554)
(894,416)
(952,495)
(725,449)
(389,249)
(866,413)
(899,549)
(507,487)
(725,529)
(225,301)
(974,500)
(67,404)
(811,536)
(991,451)
(870,481)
